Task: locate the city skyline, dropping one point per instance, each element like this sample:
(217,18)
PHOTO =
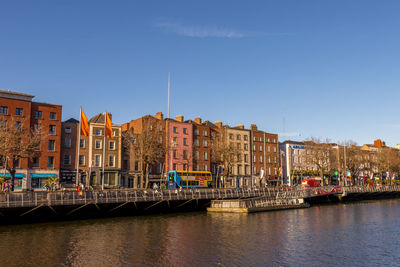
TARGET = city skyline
(327,70)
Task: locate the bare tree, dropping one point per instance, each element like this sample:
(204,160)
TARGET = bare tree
(320,156)
(148,146)
(17,141)
(224,153)
(388,160)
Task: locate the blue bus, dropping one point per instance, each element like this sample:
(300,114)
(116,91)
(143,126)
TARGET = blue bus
(189,179)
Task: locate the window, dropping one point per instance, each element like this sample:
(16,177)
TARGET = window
(274,149)
(35,162)
(174,166)
(238,137)
(254,170)
(67,159)
(261,159)
(50,162)
(67,129)
(98,144)
(82,143)
(4,110)
(254,159)
(52,115)
(246,158)
(275,171)
(67,142)
(205,133)
(260,148)
(231,136)
(81,160)
(184,154)
(197,155)
(268,140)
(52,129)
(97,160)
(246,147)
(38,146)
(98,132)
(112,161)
(260,139)
(112,145)
(18,124)
(38,114)
(17,163)
(204,143)
(185,141)
(174,141)
(205,155)
(51,145)
(175,130)
(254,147)
(269,149)
(246,171)
(196,142)
(196,132)
(174,154)
(239,168)
(185,130)
(254,138)
(273,141)
(239,146)
(136,165)
(18,111)
(245,137)
(114,133)
(269,170)
(205,167)
(269,159)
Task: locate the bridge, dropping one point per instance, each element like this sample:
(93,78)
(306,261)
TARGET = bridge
(68,203)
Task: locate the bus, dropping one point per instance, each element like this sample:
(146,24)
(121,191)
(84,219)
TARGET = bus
(189,179)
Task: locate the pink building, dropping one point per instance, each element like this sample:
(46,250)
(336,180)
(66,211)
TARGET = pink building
(180,142)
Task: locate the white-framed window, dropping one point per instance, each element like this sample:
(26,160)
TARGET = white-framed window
(98,132)
(52,145)
(261,159)
(269,170)
(205,155)
(204,143)
(275,171)
(205,133)
(98,144)
(52,129)
(268,148)
(4,110)
(67,142)
(38,114)
(111,161)
(18,111)
(246,147)
(254,170)
(67,159)
(245,137)
(274,148)
(175,130)
(52,116)
(269,159)
(97,160)
(205,167)
(260,148)
(82,143)
(81,160)
(196,142)
(67,129)
(114,133)
(254,159)
(112,145)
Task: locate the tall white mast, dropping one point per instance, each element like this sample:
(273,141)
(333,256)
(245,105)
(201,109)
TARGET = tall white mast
(169,83)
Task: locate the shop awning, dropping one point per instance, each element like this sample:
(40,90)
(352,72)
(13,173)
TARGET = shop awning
(17,175)
(43,175)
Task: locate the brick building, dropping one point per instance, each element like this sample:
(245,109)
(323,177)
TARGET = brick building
(69,137)
(35,115)
(201,145)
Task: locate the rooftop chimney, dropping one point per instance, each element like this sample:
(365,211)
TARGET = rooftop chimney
(253,127)
(159,115)
(197,120)
(218,124)
(240,126)
(179,118)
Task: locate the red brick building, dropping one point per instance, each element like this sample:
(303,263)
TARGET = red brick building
(201,145)
(47,117)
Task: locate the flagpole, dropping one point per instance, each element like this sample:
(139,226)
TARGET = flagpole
(79,147)
(104,149)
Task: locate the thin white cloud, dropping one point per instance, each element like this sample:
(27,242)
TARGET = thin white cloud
(199,31)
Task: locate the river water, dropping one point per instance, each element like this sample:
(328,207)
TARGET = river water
(355,234)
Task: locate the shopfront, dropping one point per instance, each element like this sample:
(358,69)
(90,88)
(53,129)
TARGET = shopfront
(39,179)
(19,178)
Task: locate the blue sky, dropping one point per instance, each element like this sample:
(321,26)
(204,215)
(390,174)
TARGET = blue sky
(330,68)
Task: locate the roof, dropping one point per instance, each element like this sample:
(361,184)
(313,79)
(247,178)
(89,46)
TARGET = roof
(16,93)
(71,120)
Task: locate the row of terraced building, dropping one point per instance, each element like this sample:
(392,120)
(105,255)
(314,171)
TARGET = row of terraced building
(189,145)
